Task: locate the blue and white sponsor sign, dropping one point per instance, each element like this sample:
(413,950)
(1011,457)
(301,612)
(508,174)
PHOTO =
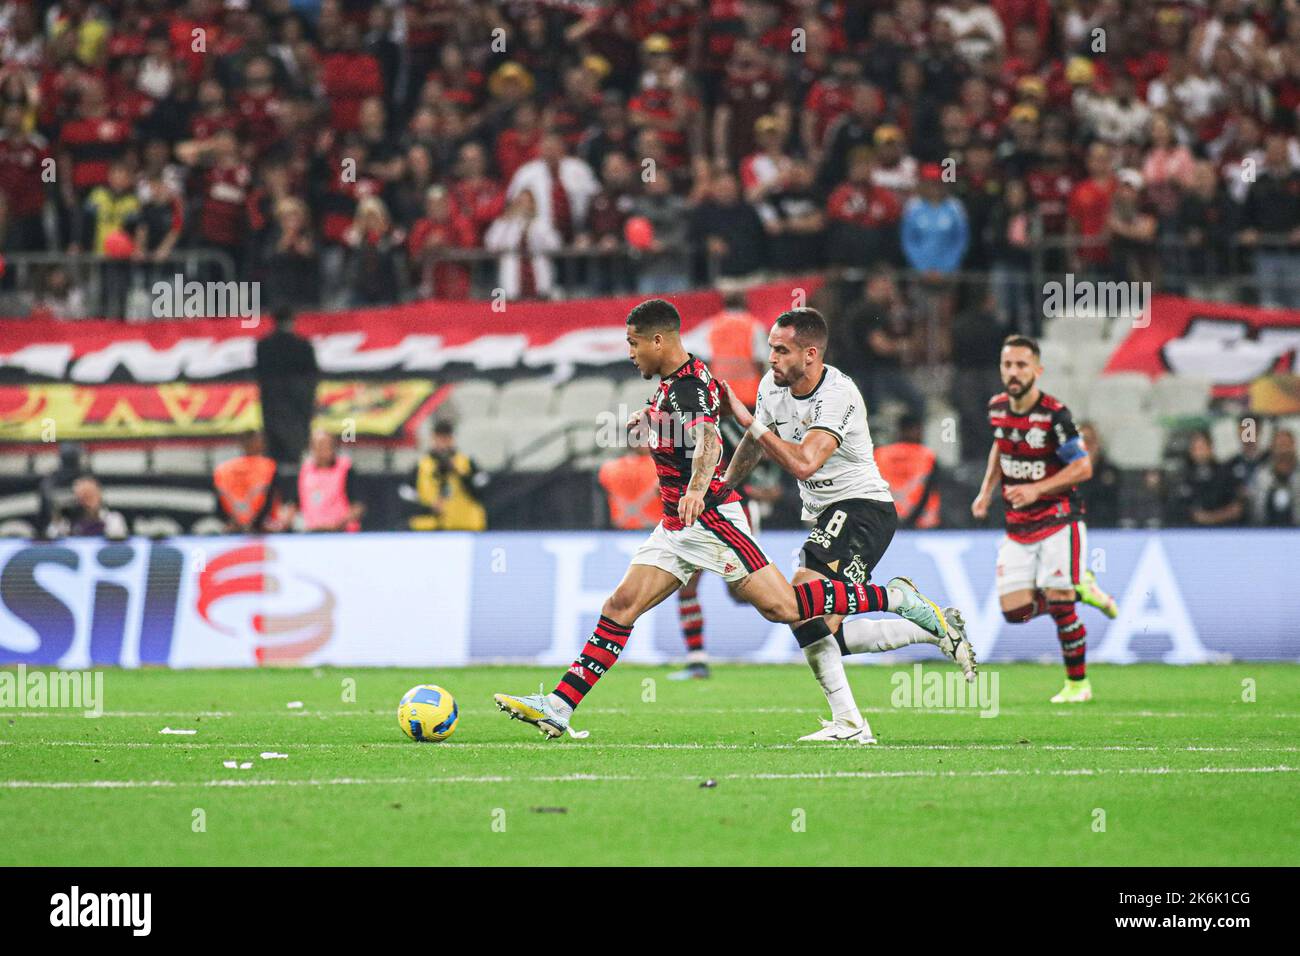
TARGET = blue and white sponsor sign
(455,599)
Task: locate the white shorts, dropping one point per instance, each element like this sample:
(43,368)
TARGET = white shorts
(1056,561)
(720,541)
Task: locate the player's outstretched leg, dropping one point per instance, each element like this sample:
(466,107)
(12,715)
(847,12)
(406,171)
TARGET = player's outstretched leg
(820,597)
(642,588)
(692,620)
(864,635)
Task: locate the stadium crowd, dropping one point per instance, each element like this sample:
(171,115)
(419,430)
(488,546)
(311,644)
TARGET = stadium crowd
(345,152)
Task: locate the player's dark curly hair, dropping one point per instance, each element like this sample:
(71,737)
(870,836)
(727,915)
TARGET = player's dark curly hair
(809,327)
(655,315)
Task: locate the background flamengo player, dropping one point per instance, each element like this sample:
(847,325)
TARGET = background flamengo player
(1040,459)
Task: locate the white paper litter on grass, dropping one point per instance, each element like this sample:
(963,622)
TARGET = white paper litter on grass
(230,764)
(294,704)
(169,730)
(246,766)
(272,755)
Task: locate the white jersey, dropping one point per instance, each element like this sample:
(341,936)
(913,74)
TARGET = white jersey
(834,405)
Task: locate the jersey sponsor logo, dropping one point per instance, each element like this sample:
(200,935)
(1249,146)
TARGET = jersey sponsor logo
(813,484)
(848,412)
(819,537)
(856,570)
(1033,470)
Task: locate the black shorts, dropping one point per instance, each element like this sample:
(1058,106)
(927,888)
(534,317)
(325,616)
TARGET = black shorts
(849,539)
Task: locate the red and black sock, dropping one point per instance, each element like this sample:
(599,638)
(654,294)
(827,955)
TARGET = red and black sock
(1073,637)
(598,655)
(820,597)
(688,608)
(1027,612)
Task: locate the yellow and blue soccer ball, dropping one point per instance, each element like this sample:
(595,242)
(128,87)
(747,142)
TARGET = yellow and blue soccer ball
(427,713)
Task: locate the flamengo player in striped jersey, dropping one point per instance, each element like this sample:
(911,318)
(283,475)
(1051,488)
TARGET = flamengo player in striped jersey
(811,420)
(1040,458)
(703,528)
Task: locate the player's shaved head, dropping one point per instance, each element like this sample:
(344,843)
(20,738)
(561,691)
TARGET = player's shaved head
(655,315)
(809,327)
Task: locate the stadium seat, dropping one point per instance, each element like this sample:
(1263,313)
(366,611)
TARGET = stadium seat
(633,393)
(942,434)
(1057,357)
(404,460)
(472,398)
(13,465)
(17,528)
(542,455)
(208,525)
(44,463)
(1133,442)
(486,441)
(156,526)
(585,398)
(525,398)
(368,459)
(1070,390)
(1178,396)
(1118,396)
(119,461)
(1089,358)
(1291,423)
(180,460)
(1075,330)
(220,453)
(1225,434)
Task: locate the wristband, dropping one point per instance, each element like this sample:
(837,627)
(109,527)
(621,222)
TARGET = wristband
(757,430)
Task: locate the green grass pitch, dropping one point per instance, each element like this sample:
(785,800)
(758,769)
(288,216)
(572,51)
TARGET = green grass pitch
(1168,766)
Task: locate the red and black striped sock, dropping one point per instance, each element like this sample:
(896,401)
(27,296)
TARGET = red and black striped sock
(688,608)
(820,597)
(1073,637)
(598,655)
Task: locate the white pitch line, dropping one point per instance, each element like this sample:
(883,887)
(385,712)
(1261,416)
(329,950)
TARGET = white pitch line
(237,782)
(1090,713)
(453,746)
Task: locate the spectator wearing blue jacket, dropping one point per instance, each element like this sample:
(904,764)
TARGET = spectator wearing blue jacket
(936,234)
(935,230)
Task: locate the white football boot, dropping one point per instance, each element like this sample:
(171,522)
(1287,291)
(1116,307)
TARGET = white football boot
(956,646)
(835,732)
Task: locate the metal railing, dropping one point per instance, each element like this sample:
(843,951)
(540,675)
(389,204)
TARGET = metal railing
(98,286)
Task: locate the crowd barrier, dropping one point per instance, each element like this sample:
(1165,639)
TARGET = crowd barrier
(434,600)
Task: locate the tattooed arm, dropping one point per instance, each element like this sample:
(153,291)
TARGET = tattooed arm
(748,454)
(708,451)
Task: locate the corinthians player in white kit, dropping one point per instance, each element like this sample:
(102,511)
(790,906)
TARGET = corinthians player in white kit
(810,418)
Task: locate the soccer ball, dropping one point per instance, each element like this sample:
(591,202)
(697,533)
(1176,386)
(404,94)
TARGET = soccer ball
(427,713)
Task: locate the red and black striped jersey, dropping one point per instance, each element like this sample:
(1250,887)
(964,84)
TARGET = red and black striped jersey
(685,398)
(1032,446)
